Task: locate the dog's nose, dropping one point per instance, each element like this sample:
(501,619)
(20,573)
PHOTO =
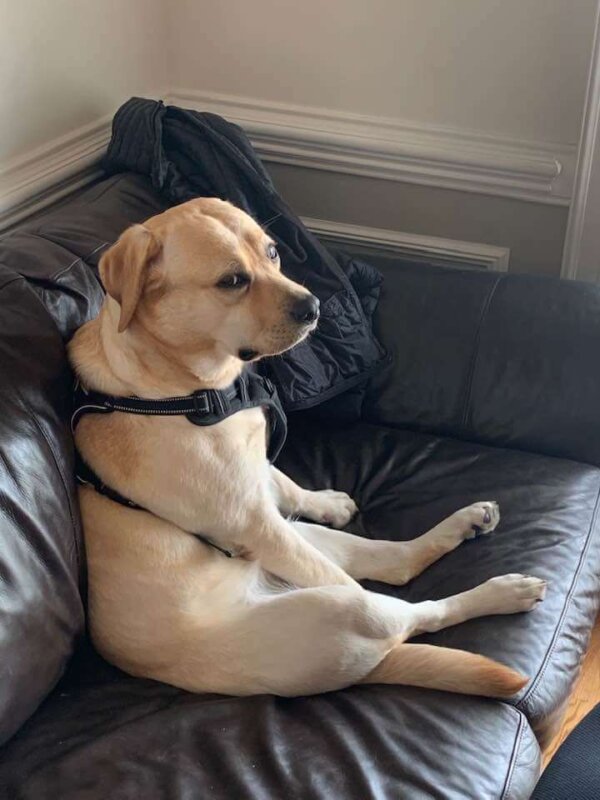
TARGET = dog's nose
(306,309)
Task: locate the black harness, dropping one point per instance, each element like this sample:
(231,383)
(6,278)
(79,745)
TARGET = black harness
(204,407)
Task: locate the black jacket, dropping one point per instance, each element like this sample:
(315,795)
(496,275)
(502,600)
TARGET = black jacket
(189,154)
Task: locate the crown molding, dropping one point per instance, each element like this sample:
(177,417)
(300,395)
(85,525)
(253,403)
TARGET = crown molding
(393,149)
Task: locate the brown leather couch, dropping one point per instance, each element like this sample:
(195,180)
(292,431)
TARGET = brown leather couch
(493,393)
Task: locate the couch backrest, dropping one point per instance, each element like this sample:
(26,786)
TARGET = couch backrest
(48,288)
(509,360)
(41,560)
(59,252)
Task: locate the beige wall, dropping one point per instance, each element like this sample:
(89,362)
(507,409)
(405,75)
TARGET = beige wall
(514,67)
(64,63)
(507,68)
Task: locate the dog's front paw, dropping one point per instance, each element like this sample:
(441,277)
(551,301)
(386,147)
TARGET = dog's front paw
(329,507)
(478,519)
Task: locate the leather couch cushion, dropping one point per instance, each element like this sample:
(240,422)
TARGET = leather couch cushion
(40,558)
(55,251)
(105,735)
(497,358)
(405,482)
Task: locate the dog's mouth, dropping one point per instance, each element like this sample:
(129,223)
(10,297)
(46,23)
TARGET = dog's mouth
(250,354)
(247,354)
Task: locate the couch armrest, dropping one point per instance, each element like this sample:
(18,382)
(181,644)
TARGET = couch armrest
(509,360)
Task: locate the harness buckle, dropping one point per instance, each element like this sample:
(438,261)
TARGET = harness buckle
(242,388)
(201,402)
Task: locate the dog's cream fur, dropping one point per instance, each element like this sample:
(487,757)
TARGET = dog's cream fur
(287,615)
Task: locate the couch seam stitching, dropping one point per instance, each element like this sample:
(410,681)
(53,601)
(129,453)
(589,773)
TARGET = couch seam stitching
(530,693)
(513,758)
(474,358)
(63,270)
(11,280)
(82,259)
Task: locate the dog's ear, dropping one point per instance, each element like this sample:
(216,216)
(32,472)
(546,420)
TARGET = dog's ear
(124,268)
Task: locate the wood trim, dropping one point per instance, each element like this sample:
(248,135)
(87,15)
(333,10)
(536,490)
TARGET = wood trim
(42,176)
(394,149)
(581,254)
(317,139)
(412,246)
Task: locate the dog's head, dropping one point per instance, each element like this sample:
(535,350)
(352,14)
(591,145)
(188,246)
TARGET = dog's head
(203,276)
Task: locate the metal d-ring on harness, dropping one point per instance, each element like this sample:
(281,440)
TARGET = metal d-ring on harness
(204,407)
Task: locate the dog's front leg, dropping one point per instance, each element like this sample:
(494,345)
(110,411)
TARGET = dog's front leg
(326,506)
(272,540)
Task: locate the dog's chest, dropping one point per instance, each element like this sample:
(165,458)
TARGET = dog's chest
(129,446)
(242,435)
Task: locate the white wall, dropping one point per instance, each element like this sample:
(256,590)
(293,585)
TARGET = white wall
(510,67)
(65,63)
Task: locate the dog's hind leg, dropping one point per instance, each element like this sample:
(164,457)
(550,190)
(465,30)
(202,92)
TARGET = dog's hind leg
(454,670)
(399,562)
(307,641)
(505,594)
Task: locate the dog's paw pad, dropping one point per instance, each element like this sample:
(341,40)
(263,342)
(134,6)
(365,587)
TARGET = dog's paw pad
(479,519)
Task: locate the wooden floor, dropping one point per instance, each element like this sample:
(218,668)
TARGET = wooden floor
(585,695)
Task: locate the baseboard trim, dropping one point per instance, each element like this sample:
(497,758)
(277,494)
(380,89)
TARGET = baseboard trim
(412,246)
(395,150)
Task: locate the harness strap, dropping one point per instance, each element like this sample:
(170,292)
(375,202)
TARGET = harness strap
(201,402)
(85,476)
(204,407)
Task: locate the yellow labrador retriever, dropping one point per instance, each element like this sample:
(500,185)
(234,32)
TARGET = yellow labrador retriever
(191,295)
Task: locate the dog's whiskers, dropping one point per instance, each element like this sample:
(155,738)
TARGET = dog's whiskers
(265,225)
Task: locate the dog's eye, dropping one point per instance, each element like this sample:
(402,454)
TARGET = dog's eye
(234,281)
(272,252)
